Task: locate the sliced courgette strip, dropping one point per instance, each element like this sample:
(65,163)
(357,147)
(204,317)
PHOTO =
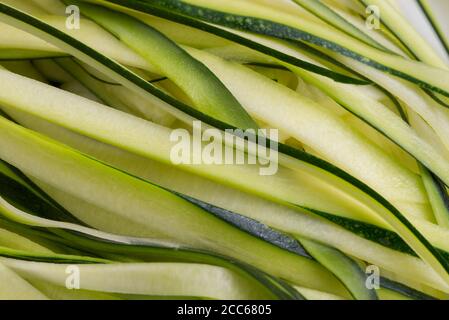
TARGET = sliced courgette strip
(427,9)
(253,18)
(205,90)
(345,268)
(326,13)
(276,216)
(405,32)
(241,39)
(159,279)
(138,249)
(311,273)
(16,288)
(439,198)
(142,247)
(388,212)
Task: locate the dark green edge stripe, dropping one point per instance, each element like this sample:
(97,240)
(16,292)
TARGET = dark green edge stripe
(50,208)
(92,245)
(27,201)
(269,28)
(404,290)
(90,74)
(362,36)
(287,150)
(20,196)
(28,55)
(368,294)
(195,23)
(428,91)
(436,29)
(370,232)
(321,55)
(93,76)
(439,185)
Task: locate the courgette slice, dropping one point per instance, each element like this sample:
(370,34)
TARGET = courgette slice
(137,248)
(311,273)
(326,13)
(158,279)
(401,225)
(344,268)
(253,18)
(427,9)
(152,249)
(439,198)
(208,94)
(405,32)
(244,41)
(279,217)
(14,287)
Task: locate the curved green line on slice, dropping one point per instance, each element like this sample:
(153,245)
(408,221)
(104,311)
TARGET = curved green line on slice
(253,18)
(404,290)
(426,8)
(290,157)
(206,91)
(438,196)
(344,268)
(325,13)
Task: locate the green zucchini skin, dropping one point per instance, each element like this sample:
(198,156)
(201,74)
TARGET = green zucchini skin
(374,233)
(344,268)
(370,232)
(425,7)
(251,226)
(404,290)
(209,94)
(37,201)
(270,28)
(196,23)
(21,196)
(325,13)
(129,77)
(26,200)
(15,54)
